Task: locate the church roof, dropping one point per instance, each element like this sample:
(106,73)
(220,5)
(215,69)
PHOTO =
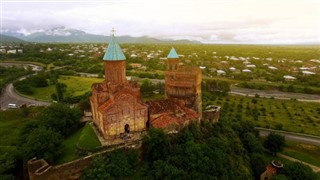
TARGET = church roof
(114,52)
(173,54)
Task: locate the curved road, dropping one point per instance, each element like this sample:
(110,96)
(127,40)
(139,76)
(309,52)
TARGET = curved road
(289,136)
(9,96)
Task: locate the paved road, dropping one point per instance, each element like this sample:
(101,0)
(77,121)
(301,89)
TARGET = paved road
(276,94)
(296,137)
(9,96)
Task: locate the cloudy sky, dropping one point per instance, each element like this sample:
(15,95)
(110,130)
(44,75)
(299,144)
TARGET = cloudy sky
(214,21)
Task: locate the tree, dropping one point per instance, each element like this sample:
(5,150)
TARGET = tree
(42,143)
(297,171)
(147,87)
(274,142)
(156,144)
(60,90)
(60,118)
(98,170)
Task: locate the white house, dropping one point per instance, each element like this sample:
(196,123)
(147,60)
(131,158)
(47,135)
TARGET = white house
(246,70)
(308,73)
(289,78)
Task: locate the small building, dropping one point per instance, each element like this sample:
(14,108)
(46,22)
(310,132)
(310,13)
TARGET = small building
(308,73)
(246,70)
(221,72)
(12,51)
(271,170)
(289,78)
(211,113)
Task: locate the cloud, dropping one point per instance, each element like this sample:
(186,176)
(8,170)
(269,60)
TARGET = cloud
(207,21)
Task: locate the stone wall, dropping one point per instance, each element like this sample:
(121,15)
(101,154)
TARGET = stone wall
(39,169)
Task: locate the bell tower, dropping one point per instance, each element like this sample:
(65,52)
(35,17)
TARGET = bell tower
(173,60)
(115,63)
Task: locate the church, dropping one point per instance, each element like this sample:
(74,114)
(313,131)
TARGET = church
(116,104)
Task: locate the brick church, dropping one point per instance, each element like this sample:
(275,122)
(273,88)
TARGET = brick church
(116,103)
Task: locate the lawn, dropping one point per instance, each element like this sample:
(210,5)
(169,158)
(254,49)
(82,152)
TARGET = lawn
(88,139)
(11,122)
(75,86)
(287,115)
(69,149)
(303,152)
(84,138)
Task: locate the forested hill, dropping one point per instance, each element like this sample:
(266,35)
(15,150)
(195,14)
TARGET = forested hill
(10,39)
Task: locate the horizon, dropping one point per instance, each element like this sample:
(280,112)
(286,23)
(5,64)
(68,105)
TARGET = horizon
(210,22)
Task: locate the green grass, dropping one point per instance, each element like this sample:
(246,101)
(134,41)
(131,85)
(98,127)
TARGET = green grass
(11,122)
(303,152)
(78,85)
(88,140)
(75,86)
(287,115)
(69,148)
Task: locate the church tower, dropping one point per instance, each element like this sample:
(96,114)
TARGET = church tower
(173,60)
(183,84)
(115,63)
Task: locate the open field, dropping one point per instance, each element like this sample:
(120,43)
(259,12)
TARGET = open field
(287,115)
(75,86)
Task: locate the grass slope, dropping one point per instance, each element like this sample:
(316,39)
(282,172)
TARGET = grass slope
(88,139)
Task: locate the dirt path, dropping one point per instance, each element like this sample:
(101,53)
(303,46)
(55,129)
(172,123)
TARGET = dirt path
(313,167)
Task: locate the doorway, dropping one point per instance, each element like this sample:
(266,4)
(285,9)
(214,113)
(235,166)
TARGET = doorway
(127,128)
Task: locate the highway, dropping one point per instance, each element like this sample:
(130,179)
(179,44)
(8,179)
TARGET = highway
(295,137)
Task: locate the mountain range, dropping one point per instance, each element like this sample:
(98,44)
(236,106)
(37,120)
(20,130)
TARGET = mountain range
(62,35)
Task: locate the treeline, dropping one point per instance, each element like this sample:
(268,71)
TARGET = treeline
(9,74)
(42,79)
(198,151)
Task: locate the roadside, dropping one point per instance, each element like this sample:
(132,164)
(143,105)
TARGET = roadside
(314,168)
(275,94)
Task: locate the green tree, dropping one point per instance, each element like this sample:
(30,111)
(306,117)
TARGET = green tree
(98,171)
(274,142)
(156,144)
(298,171)
(42,143)
(147,87)
(61,88)
(61,118)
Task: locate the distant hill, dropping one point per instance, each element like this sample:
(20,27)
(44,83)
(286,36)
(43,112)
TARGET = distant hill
(62,35)
(10,39)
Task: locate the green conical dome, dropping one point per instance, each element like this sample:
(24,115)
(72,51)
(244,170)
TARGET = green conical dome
(173,54)
(114,52)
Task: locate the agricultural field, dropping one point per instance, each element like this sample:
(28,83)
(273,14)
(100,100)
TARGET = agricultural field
(287,115)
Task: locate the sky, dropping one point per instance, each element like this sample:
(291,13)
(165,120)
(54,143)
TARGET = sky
(208,21)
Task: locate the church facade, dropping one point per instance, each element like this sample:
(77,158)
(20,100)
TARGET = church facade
(116,105)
